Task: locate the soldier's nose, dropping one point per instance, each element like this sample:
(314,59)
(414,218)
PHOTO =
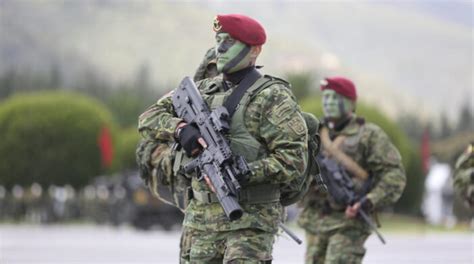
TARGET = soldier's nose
(221,49)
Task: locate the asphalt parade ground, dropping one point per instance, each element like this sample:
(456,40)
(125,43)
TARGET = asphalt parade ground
(62,244)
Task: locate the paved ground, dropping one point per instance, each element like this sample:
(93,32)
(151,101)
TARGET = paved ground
(101,244)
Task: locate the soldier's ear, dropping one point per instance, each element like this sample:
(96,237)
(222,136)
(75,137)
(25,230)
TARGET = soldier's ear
(255,51)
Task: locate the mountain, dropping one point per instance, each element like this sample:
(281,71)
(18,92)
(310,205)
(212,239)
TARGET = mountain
(403,56)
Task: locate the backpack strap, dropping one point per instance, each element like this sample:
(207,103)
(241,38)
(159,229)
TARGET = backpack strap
(332,148)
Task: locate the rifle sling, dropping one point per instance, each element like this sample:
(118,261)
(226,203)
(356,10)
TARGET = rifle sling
(234,98)
(332,147)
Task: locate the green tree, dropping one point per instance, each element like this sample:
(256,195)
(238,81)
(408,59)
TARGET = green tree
(411,125)
(127,143)
(301,84)
(445,129)
(466,118)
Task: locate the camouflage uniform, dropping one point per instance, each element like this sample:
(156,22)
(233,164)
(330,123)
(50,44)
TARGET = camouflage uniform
(274,120)
(331,237)
(464,176)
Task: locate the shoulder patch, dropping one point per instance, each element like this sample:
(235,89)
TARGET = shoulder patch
(296,124)
(393,156)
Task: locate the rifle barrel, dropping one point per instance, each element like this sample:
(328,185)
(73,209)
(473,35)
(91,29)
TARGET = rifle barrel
(372,225)
(290,233)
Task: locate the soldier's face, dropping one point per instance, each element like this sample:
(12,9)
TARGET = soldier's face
(336,106)
(232,55)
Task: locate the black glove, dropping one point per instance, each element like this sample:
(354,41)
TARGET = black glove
(188,139)
(366,204)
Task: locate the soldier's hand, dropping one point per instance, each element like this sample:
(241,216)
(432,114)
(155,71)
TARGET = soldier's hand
(351,211)
(208,182)
(190,139)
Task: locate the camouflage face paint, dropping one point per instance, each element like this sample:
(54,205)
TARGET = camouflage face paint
(232,55)
(335,106)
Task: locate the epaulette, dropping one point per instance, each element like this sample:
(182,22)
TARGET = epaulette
(273,78)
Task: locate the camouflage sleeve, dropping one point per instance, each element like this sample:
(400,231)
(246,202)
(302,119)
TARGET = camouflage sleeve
(283,131)
(201,71)
(385,165)
(159,121)
(463,175)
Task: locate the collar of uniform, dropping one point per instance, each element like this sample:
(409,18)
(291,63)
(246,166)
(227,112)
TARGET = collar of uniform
(238,76)
(350,129)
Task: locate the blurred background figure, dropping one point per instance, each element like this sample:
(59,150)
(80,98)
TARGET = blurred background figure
(3,203)
(33,203)
(438,197)
(17,207)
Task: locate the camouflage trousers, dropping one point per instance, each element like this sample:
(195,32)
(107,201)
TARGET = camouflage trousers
(342,246)
(245,246)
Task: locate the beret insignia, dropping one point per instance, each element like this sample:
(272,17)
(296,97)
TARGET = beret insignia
(217,25)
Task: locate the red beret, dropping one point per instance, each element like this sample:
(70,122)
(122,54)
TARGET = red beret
(242,28)
(341,86)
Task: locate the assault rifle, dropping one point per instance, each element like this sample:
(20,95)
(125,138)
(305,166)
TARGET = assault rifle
(341,188)
(217,162)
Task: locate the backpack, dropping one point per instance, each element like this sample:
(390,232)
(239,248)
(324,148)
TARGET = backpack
(155,161)
(294,191)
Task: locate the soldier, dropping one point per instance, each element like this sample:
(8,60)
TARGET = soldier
(334,234)
(3,202)
(268,130)
(464,176)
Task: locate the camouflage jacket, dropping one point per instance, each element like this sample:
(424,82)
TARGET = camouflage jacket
(267,118)
(464,176)
(371,148)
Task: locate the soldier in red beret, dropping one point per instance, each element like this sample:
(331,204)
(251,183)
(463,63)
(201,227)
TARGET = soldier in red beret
(339,97)
(239,41)
(335,233)
(266,128)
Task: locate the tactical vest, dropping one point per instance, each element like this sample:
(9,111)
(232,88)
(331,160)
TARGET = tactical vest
(242,143)
(350,147)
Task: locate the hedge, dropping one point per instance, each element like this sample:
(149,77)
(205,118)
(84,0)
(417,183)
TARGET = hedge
(127,140)
(51,138)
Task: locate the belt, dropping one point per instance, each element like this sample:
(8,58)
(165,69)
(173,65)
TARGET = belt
(254,194)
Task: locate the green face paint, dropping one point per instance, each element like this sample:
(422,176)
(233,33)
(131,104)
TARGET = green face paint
(336,106)
(232,55)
